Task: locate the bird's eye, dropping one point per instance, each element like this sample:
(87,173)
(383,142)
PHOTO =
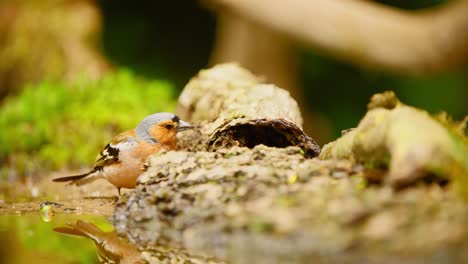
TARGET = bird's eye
(168,126)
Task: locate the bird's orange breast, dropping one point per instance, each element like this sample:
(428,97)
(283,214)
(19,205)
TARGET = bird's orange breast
(126,173)
(145,149)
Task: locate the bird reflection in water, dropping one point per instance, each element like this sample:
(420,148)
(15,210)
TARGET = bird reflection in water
(110,248)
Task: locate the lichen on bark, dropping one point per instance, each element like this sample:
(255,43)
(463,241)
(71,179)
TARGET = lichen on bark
(236,109)
(406,140)
(269,205)
(233,192)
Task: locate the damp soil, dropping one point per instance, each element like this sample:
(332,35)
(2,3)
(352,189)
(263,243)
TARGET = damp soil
(97,198)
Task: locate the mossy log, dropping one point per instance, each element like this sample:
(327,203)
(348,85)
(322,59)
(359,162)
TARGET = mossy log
(234,108)
(272,205)
(250,203)
(408,141)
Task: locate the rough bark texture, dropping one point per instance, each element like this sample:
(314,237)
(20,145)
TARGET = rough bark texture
(270,205)
(238,110)
(273,204)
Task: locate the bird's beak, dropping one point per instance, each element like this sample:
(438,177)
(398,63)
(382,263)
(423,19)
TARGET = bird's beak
(183,126)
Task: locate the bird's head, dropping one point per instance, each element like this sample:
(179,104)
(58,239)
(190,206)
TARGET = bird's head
(161,128)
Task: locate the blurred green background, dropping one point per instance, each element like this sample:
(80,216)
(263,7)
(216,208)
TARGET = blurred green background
(155,47)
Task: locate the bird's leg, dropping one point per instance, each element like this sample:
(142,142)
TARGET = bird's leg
(119,197)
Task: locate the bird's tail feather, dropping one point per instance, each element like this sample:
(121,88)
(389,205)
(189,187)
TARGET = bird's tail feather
(80,179)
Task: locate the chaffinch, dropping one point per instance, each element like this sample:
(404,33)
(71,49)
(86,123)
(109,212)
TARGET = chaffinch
(122,160)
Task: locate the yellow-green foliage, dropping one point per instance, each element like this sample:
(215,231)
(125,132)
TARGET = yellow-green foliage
(51,125)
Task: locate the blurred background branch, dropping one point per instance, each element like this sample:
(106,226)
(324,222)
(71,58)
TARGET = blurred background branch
(368,34)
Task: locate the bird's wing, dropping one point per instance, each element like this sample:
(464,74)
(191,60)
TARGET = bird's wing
(110,154)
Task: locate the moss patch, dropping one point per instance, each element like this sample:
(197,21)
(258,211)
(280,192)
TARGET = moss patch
(51,125)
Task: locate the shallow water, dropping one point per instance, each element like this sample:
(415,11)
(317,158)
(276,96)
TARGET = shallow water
(30,238)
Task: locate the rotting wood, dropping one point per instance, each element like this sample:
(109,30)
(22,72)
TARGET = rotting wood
(235,109)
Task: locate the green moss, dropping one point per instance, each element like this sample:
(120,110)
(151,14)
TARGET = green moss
(51,125)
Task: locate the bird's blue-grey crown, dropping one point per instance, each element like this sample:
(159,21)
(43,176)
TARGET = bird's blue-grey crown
(142,130)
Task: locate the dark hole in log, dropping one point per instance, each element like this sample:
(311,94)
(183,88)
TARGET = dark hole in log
(278,133)
(252,135)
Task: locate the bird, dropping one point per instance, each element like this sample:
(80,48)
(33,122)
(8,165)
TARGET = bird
(123,159)
(110,248)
